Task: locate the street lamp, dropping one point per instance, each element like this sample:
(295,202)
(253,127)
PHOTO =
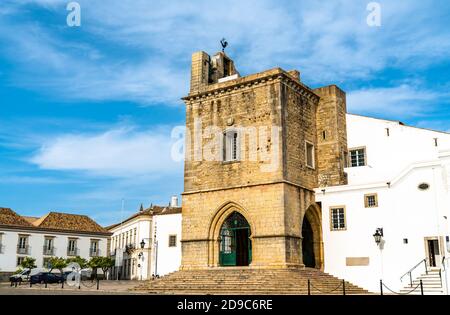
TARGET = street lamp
(378,236)
(142,244)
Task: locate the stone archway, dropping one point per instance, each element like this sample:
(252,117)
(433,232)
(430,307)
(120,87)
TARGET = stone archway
(235,244)
(222,226)
(312,239)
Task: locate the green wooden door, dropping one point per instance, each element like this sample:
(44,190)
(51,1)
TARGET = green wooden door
(235,244)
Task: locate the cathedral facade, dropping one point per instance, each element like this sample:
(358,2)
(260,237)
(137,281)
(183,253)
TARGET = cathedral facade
(256,148)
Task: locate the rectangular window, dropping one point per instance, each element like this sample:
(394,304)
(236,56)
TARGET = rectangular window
(72,248)
(310,161)
(1,244)
(20,260)
(357,157)
(45,263)
(172,241)
(94,248)
(48,246)
(337,215)
(231,152)
(371,200)
(22,245)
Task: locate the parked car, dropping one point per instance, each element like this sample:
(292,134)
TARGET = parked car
(46,277)
(22,276)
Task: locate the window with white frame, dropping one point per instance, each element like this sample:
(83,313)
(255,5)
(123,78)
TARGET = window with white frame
(357,157)
(231,146)
(309,151)
(48,246)
(72,247)
(94,248)
(337,216)
(22,245)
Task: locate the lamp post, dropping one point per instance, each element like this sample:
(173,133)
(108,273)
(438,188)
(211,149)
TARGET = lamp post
(141,255)
(378,237)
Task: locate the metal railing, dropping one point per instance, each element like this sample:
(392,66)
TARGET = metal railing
(23,250)
(413,290)
(72,252)
(409,272)
(94,252)
(48,251)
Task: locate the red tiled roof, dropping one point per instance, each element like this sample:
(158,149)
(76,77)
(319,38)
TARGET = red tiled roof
(69,222)
(10,218)
(52,221)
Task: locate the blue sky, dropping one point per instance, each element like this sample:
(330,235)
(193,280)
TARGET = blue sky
(87,112)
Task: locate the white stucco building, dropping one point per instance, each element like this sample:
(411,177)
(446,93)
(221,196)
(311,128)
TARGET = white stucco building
(398,180)
(158,229)
(53,235)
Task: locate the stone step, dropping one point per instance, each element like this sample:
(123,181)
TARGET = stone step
(248,281)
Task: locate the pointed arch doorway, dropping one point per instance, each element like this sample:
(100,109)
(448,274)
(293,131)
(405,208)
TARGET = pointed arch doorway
(312,242)
(235,243)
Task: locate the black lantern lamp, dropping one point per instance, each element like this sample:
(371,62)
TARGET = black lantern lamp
(378,236)
(142,244)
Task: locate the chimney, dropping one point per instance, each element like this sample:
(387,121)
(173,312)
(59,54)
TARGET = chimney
(174,202)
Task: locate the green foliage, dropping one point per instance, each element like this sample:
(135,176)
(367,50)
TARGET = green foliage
(104,263)
(29,263)
(58,263)
(80,261)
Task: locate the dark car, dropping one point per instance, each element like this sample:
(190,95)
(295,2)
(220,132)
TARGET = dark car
(46,277)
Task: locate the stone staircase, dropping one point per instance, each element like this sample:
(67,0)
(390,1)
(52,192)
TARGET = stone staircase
(432,284)
(246,281)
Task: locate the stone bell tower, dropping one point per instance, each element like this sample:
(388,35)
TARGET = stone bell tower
(256,147)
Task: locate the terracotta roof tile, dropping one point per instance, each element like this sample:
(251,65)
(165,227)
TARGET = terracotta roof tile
(69,222)
(51,221)
(10,218)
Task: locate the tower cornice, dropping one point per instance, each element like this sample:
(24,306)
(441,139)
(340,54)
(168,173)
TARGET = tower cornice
(276,74)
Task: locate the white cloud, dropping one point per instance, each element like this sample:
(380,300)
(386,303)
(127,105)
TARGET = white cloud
(329,42)
(122,152)
(400,101)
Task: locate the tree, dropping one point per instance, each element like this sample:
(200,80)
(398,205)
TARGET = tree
(28,263)
(107,264)
(57,263)
(80,261)
(104,263)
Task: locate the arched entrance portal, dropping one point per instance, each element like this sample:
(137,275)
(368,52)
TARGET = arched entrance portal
(309,259)
(312,244)
(235,243)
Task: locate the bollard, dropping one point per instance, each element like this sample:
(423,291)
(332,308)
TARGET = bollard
(309,287)
(98,284)
(421,287)
(381,287)
(46,284)
(62,284)
(31,284)
(343,287)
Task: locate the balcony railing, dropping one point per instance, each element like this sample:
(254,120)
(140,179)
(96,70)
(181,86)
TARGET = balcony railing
(72,252)
(49,251)
(23,250)
(94,252)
